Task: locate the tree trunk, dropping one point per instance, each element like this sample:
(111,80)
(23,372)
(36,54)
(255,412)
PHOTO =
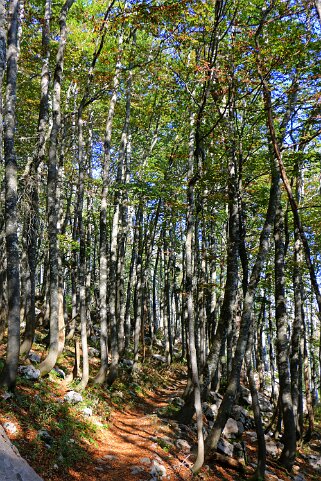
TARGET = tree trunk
(261,455)
(46,365)
(103,271)
(190,226)
(117,257)
(289,435)
(32,179)
(9,373)
(82,253)
(3,49)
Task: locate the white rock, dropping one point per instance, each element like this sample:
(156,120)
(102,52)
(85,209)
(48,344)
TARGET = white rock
(315,461)
(136,470)
(159,358)
(45,436)
(225,447)
(87,411)
(7,395)
(272,448)
(34,357)
(178,401)
(73,397)
(145,460)
(158,471)
(119,394)
(93,352)
(183,445)
(29,372)
(10,427)
(239,413)
(252,435)
(231,428)
(128,362)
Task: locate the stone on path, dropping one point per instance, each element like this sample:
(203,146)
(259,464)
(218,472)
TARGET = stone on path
(29,372)
(158,471)
(145,460)
(12,466)
(73,397)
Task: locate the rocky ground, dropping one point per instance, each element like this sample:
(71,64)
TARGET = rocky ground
(128,433)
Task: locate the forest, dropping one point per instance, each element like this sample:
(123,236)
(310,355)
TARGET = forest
(160,212)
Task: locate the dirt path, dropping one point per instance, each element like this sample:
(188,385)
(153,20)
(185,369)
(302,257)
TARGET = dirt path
(132,449)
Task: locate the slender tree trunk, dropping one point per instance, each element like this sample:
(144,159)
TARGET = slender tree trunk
(131,277)
(82,252)
(261,456)
(115,258)
(307,382)
(190,226)
(32,178)
(103,271)
(9,373)
(50,360)
(289,436)
(297,330)
(3,49)
(138,296)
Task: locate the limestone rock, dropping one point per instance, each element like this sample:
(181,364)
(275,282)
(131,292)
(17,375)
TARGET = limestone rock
(12,465)
(158,471)
(231,428)
(127,362)
(87,412)
(178,401)
(160,358)
(225,447)
(183,445)
(299,477)
(45,437)
(93,352)
(315,462)
(272,448)
(73,397)
(145,460)
(10,427)
(34,357)
(29,372)
(137,470)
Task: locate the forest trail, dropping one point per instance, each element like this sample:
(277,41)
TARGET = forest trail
(133,447)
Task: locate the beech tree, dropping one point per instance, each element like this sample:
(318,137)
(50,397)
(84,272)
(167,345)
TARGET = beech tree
(8,375)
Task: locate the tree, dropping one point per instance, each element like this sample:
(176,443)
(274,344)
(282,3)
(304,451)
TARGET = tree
(55,318)
(9,373)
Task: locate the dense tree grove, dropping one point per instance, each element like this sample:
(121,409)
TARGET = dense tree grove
(160,183)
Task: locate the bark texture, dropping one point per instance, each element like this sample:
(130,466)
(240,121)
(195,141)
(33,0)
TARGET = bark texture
(9,373)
